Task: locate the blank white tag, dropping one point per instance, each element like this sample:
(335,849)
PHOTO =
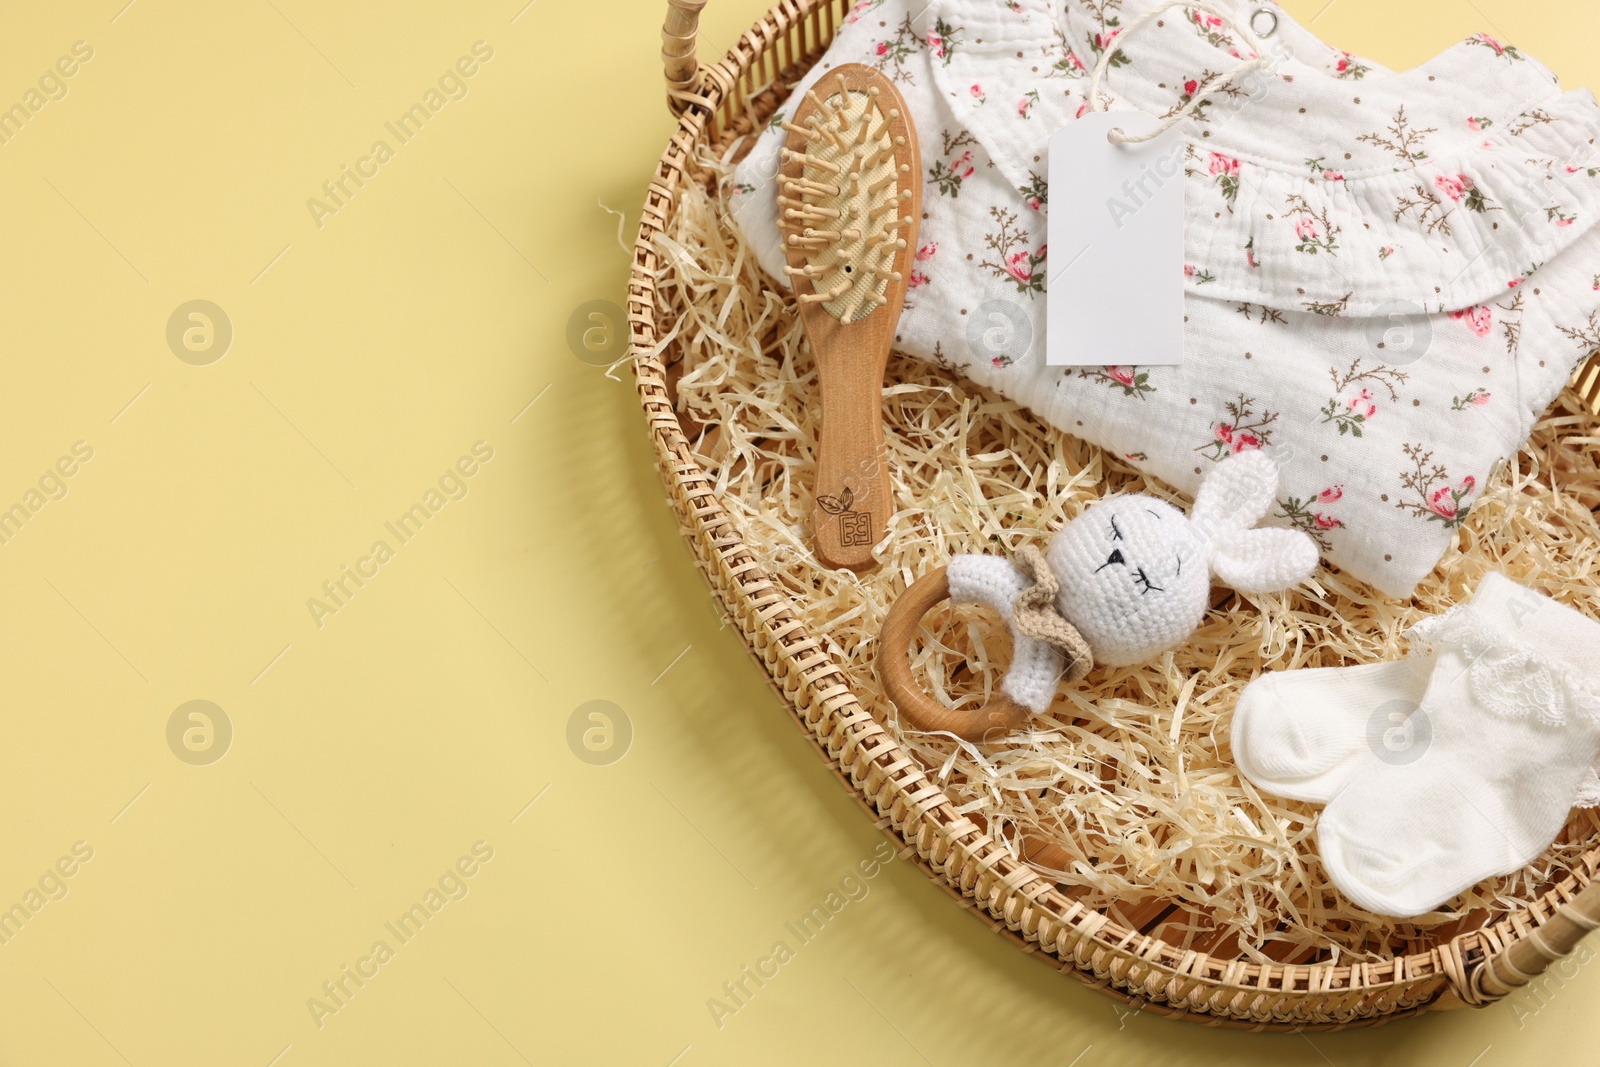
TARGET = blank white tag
(1116,244)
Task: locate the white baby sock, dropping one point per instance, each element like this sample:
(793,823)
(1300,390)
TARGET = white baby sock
(1300,734)
(1507,727)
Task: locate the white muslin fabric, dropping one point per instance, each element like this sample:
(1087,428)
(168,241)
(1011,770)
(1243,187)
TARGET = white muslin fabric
(1388,276)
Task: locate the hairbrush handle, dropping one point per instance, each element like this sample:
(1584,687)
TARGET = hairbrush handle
(852,486)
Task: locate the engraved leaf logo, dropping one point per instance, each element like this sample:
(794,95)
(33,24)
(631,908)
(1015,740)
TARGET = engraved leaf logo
(836,505)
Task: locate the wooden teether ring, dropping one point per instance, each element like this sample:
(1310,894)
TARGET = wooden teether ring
(993,721)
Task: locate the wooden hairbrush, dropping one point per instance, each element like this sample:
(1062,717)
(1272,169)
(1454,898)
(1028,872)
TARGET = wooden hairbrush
(849,200)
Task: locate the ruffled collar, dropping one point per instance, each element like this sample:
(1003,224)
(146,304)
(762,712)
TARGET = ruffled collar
(1319,88)
(1338,186)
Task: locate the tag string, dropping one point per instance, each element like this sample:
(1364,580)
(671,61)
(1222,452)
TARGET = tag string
(1115,135)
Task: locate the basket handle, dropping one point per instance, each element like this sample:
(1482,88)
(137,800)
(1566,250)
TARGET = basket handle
(684,80)
(1527,958)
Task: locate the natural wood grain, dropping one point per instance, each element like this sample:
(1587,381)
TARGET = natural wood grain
(852,481)
(994,721)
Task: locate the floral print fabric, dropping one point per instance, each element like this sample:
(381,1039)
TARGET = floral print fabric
(1388,276)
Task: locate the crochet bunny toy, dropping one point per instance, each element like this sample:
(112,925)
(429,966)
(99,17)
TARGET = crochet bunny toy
(1125,580)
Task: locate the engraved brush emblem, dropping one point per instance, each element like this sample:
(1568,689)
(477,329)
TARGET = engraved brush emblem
(855,527)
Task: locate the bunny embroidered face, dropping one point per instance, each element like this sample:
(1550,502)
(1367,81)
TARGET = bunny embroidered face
(1133,577)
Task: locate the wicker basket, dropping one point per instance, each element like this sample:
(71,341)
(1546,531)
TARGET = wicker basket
(715,103)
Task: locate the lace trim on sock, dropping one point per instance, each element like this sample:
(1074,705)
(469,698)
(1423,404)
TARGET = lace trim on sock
(1508,677)
(1588,790)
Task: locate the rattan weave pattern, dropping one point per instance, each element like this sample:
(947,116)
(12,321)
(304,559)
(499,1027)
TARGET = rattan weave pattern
(715,103)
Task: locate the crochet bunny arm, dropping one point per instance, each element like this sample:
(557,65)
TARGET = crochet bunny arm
(995,583)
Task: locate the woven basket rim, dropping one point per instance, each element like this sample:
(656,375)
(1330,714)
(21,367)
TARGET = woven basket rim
(954,851)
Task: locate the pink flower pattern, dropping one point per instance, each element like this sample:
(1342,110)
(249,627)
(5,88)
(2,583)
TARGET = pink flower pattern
(918,276)
(1314,225)
(861,8)
(1478,318)
(1224,171)
(1453,186)
(1313,516)
(1436,497)
(1244,430)
(1362,404)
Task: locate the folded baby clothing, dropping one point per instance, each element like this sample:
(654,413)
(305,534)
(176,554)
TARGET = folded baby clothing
(1388,276)
(1453,765)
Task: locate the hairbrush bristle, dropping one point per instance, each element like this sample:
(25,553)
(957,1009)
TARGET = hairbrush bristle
(842,209)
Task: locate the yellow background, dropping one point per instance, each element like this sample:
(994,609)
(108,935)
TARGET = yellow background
(370,752)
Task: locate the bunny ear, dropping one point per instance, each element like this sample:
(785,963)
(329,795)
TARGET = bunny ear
(1263,561)
(1237,492)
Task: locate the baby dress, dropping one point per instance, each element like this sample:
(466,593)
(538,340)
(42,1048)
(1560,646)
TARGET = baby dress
(1388,276)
